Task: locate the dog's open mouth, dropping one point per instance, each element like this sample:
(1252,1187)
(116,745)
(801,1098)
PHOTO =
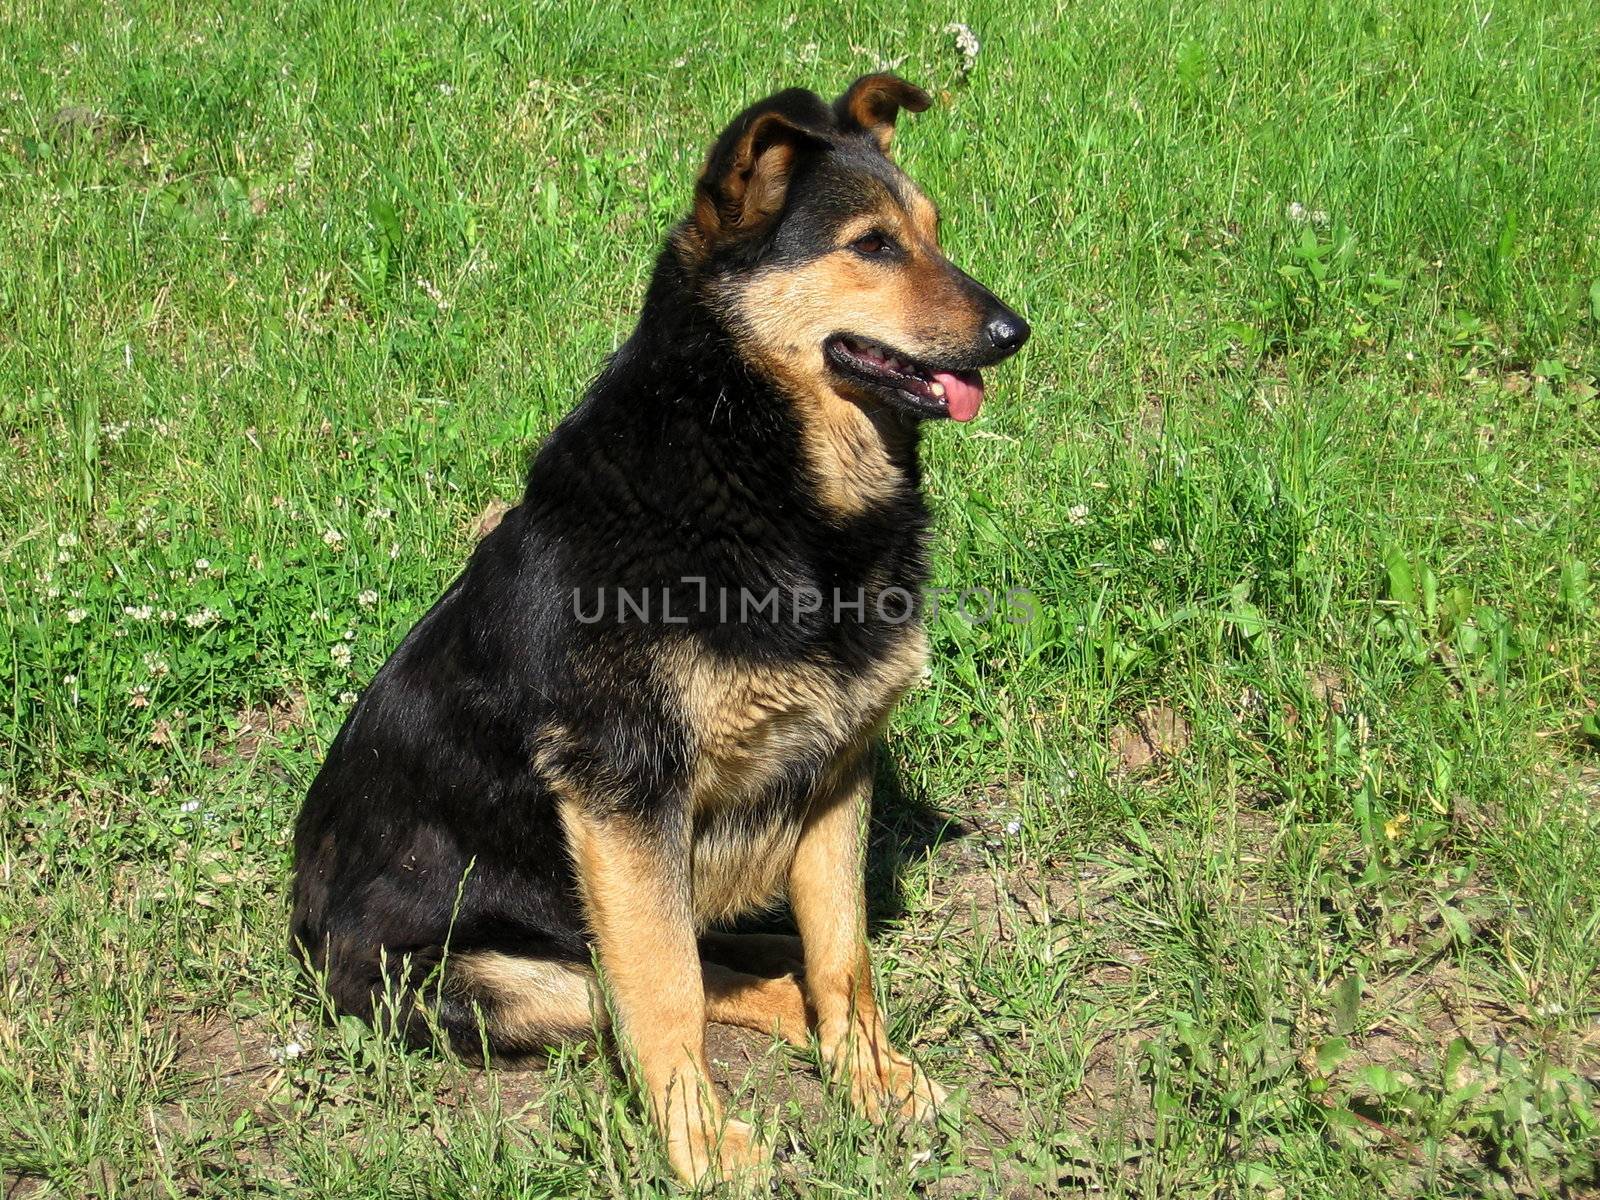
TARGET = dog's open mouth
(927,391)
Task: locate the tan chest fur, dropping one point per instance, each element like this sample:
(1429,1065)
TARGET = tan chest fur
(750,728)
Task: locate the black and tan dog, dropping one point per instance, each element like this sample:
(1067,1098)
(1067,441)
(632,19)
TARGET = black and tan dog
(647,705)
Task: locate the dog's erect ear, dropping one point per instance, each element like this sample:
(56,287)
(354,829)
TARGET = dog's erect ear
(873,102)
(746,178)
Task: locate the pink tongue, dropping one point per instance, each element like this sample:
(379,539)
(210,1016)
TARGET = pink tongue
(963,393)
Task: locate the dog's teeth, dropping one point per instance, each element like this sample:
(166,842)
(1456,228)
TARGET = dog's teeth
(937,389)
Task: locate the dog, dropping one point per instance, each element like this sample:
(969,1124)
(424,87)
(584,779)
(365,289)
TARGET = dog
(648,704)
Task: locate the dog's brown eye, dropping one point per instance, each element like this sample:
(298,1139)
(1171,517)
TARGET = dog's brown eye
(872,244)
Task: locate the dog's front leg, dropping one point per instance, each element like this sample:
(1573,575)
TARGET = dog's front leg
(827,891)
(636,892)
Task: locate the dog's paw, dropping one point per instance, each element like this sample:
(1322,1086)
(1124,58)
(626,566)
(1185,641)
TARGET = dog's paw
(731,1153)
(882,1080)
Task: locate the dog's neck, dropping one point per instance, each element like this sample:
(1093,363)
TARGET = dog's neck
(857,458)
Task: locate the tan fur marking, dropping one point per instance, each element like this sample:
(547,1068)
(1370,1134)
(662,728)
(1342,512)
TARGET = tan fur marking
(536,998)
(874,101)
(751,1002)
(924,216)
(756,183)
(741,873)
(827,893)
(533,997)
(748,725)
(633,892)
(783,316)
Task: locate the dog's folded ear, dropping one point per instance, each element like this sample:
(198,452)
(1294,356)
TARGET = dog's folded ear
(746,177)
(871,104)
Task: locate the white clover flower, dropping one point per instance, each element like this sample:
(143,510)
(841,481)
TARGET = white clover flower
(1078,514)
(967,45)
(63,556)
(1296,212)
(189,806)
(1013,828)
(75,616)
(332,537)
(69,681)
(168,616)
(1159,545)
(348,697)
(367,598)
(67,540)
(204,616)
(394,551)
(202,564)
(156,665)
(434,293)
(285,1053)
(138,612)
(341,654)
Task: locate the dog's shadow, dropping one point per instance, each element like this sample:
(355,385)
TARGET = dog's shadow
(905,827)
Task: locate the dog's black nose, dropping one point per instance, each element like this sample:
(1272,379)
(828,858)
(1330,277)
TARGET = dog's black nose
(1007,331)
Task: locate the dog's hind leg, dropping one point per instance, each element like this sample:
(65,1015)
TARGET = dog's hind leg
(764,1004)
(529,1003)
(523,1004)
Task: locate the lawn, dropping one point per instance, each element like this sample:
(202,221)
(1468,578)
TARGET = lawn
(1265,862)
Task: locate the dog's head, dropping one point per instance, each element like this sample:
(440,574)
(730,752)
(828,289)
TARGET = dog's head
(824,260)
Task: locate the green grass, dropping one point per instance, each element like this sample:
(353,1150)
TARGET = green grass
(1301,465)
